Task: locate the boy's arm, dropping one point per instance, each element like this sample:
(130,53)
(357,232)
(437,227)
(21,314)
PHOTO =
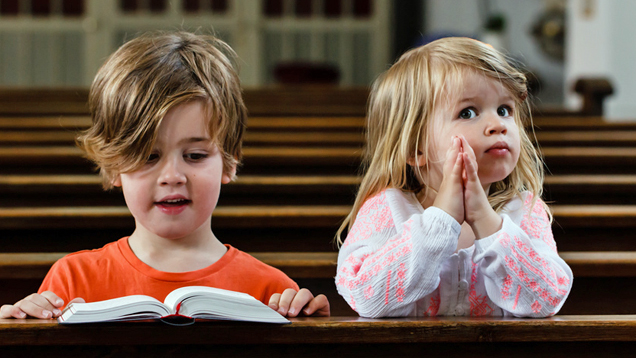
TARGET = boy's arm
(291,303)
(46,305)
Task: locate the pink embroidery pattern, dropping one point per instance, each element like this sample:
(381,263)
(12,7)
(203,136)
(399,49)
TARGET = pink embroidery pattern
(505,290)
(374,216)
(399,293)
(520,248)
(388,288)
(368,292)
(536,307)
(478,303)
(514,305)
(536,224)
(371,267)
(539,267)
(433,307)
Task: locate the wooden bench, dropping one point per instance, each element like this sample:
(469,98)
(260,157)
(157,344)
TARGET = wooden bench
(86,189)
(267,101)
(291,228)
(344,124)
(300,216)
(21,274)
(35,265)
(312,137)
(575,336)
(580,123)
(320,100)
(314,160)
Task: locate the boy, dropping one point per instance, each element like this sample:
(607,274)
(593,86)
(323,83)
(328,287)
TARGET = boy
(168,120)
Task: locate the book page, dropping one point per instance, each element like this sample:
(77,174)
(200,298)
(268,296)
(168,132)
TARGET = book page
(179,294)
(121,308)
(214,303)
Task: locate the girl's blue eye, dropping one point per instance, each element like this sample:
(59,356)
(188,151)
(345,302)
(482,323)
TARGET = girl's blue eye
(467,113)
(504,111)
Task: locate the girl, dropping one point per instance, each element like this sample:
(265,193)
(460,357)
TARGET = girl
(448,219)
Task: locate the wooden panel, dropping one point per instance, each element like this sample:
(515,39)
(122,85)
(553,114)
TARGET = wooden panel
(580,336)
(323,264)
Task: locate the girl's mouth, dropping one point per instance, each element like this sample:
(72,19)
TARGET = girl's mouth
(499,148)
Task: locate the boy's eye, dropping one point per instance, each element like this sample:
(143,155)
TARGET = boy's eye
(152,158)
(196,156)
(467,113)
(504,111)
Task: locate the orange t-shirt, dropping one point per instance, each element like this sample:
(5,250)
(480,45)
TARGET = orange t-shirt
(114,271)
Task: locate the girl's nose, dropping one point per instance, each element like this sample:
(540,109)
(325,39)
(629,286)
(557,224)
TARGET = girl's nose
(495,125)
(171,174)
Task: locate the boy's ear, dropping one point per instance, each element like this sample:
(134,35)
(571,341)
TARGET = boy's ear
(117,181)
(228,176)
(417,161)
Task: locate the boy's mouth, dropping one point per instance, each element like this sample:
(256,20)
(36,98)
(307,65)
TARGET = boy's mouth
(173,202)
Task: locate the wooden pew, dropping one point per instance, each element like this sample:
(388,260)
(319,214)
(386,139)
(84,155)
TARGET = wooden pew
(273,100)
(590,189)
(607,138)
(577,336)
(305,123)
(314,160)
(292,228)
(613,271)
(80,190)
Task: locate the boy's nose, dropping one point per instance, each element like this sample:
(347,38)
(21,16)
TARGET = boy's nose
(171,174)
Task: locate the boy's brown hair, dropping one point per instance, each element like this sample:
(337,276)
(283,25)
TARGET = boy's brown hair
(143,80)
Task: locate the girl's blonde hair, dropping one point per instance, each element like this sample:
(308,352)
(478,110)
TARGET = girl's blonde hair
(406,96)
(143,80)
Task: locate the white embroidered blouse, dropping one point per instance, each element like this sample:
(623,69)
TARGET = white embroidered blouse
(399,260)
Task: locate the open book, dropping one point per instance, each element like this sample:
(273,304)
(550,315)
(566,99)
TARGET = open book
(186,302)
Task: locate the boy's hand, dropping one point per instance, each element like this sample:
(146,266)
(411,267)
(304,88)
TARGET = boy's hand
(291,303)
(46,305)
(451,192)
(477,210)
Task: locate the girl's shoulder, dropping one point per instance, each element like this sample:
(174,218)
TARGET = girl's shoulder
(391,203)
(523,205)
(392,197)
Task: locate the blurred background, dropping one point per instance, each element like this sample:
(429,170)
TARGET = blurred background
(62,43)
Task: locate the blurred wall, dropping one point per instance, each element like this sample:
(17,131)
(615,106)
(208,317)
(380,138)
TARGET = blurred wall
(466,17)
(601,43)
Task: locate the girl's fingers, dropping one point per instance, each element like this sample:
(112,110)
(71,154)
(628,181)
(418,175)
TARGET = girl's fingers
(458,168)
(466,148)
(470,168)
(452,154)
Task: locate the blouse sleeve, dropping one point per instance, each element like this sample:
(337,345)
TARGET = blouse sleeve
(524,275)
(384,268)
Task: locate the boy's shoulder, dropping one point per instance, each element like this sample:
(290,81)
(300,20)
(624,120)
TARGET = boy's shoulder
(246,265)
(254,266)
(90,260)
